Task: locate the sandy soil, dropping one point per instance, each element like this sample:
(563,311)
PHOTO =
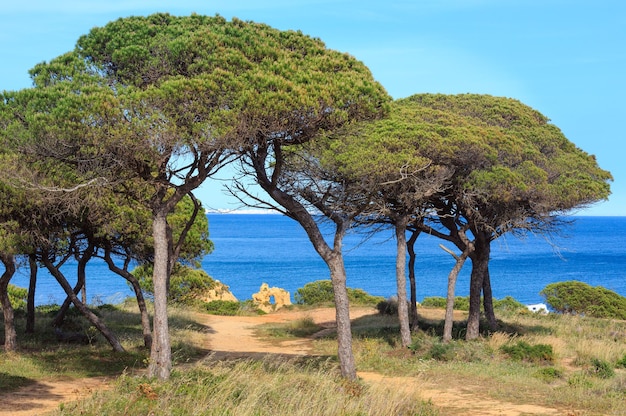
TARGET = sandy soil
(235,337)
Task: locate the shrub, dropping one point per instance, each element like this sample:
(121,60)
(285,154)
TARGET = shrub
(222,307)
(388,306)
(621,362)
(508,303)
(461,303)
(582,299)
(548,374)
(523,351)
(441,352)
(187,285)
(321,292)
(601,369)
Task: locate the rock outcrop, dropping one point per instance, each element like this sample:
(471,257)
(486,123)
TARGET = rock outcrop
(263,299)
(218,291)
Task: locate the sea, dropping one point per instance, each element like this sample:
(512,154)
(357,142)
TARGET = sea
(251,249)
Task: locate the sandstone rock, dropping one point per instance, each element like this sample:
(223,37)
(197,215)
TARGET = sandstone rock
(219,291)
(263,299)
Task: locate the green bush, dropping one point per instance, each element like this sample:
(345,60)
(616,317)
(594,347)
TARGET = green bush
(548,374)
(441,352)
(320,292)
(523,351)
(508,303)
(582,299)
(621,363)
(223,307)
(17,296)
(187,285)
(461,303)
(601,369)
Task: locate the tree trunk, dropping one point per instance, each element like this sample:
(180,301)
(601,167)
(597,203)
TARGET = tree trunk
(332,257)
(161,353)
(91,317)
(410,245)
(488,302)
(30,300)
(80,284)
(342,316)
(10,335)
(480,263)
(403,312)
(449,318)
(141,302)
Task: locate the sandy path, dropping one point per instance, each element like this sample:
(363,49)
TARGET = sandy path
(234,336)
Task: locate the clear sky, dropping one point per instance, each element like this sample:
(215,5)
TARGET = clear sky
(565,58)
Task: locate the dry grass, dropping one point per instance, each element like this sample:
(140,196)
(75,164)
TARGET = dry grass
(266,387)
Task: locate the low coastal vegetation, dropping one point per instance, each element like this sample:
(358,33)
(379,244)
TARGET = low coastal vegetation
(573,363)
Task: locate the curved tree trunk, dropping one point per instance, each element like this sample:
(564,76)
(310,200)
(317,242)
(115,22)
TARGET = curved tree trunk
(141,302)
(161,353)
(93,318)
(403,312)
(80,285)
(449,318)
(30,300)
(10,335)
(410,245)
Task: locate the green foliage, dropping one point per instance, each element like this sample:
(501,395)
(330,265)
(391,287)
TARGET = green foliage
(320,292)
(461,303)
(523,351)
(548,374)
(17,296)
(508,303)
(441,351)
(621,363)
(601,369)
(579,298)
(187,285)
(222,307)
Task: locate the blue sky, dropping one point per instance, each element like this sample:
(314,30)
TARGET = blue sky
(565,58)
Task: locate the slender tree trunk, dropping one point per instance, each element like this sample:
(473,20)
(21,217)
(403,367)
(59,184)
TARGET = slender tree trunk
(488,302)
(332,257)
(410,245)
(141,302)
(342,315)
(91,317)
(449,318)
(81,276)
(30,300)
(10,335)
(161,353)
(403,312)
(480,263)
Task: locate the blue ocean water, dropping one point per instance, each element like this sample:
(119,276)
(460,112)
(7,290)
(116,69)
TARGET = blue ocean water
(251,249)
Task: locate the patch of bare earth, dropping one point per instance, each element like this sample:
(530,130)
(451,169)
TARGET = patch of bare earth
(45,396)
(235,336)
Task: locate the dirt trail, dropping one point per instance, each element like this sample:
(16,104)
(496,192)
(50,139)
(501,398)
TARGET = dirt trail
(234,336)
